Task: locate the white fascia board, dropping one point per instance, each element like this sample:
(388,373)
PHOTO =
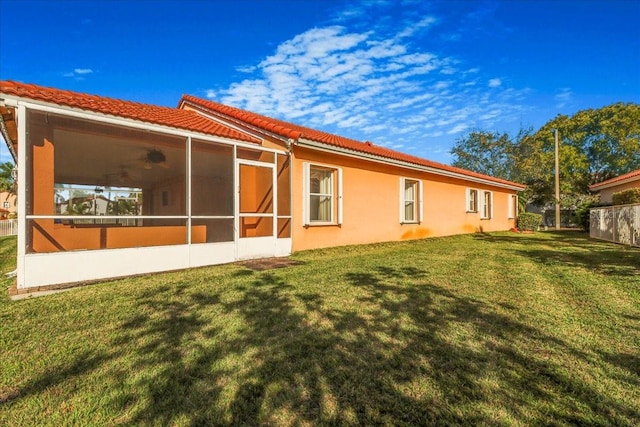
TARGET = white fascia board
(406,165)
(236,124)
(616,183)
(7,140)
(233,124)
(121,121)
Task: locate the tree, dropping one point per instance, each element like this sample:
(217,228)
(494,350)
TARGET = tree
(595,145)
(7,182)
(490,153)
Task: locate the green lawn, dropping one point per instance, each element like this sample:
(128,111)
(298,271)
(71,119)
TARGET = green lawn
(493,329)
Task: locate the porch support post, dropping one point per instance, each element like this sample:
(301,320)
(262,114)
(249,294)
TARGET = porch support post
(23,152)
(188,169)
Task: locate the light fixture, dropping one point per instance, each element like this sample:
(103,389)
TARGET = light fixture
(156,156)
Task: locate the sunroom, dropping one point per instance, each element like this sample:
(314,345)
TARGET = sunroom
(102,196)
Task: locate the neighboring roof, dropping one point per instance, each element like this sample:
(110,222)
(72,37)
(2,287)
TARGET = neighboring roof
(298,133)
(622,179)
(165,116)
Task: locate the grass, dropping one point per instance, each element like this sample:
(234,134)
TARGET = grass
(484,329)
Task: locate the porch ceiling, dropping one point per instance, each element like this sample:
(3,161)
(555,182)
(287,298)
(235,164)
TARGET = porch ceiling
(9,129)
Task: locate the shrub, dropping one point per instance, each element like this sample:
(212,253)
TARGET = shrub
(583,212)
(627,197)
(529,221)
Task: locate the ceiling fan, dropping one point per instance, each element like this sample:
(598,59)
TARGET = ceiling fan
(154,157)
(122,176)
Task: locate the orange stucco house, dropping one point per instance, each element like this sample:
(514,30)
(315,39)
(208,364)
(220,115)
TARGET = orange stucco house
(619,183)
(112,188)
(7,204)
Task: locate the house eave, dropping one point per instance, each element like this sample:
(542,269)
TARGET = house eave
(302,142)
(7,113)
(118,120)
(598,187)
(232,122)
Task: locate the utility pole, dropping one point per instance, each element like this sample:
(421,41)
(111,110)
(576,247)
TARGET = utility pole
(555,131)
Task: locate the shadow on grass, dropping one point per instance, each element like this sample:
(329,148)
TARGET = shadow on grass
(54,376)
(402,352)
(396,350)
(574,248)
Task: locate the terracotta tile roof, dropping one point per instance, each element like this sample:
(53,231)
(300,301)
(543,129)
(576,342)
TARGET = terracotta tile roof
(165,116)
(296,132)
(617,179)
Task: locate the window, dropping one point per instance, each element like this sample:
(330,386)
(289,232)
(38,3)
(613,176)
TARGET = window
(513,206)
(472,200)
(410,201)
(322,195)
(5,205)
(487,205)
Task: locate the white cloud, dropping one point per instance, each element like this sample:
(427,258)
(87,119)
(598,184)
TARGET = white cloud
(210,94)
(425,22)
(564,97)
(372,84)
(78,73)
(457,129)
(246,68)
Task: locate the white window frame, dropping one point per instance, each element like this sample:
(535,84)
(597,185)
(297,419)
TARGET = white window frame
(336,199)
(418,201)
(482,205)
(468,200)
(513,206)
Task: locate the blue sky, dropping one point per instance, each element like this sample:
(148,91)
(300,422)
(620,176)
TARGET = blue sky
(411,75)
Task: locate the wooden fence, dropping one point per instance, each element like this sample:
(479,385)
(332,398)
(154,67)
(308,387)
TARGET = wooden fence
(620,224)
(9,227)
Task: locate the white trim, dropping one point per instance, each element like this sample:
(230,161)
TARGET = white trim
(306,172)
(21,119)
(358,155)
(233,124)
(512,209)
(257,247)
(339,195)
(401,200)
(236,202)
(481,204)
(599,186)
(420,202)
(108,217)
(274,196)
(468,191)
(336,199)
(131,123)
(417,202)
(188,195)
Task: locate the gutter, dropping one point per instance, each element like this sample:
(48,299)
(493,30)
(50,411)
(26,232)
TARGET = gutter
(598,187)
(99,117)
(303,142)
(387,161)
(226,120)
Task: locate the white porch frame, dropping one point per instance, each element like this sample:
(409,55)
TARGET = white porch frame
(57,268)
